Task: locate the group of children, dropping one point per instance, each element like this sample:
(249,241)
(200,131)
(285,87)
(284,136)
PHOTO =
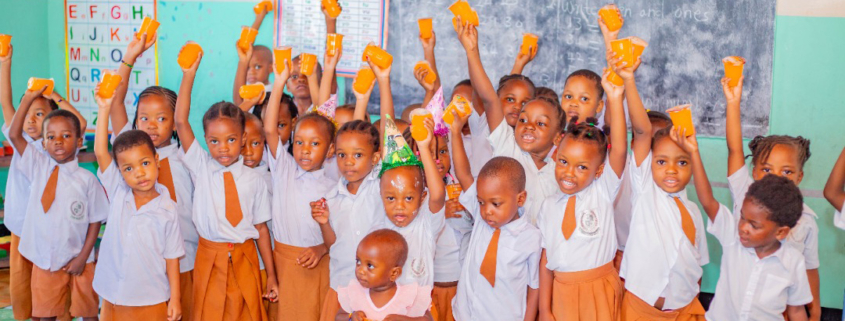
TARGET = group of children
(300,209)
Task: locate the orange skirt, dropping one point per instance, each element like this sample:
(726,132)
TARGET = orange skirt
(635,309)
(301,291)
(331,306)
(52,290)
(20,274)
(111,312)
(441,298)
(587,295)
(227,282)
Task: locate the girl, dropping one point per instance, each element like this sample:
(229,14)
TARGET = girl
(778,155)
(154,115)
(578,222)
(299,246)
(230,213)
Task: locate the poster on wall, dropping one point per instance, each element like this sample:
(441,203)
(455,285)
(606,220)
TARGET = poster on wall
(301,25)
(96,35)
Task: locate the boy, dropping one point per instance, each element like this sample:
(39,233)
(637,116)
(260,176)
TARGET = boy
(61,224)
(254,65)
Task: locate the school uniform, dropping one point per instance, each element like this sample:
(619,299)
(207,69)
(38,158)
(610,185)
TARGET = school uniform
(666,249)
(585,283)
(623,205)
(838,219)
(421,235)
(753,288)
(409,300)
(227,282)
(131,274)
(517,264)
(447,271)
(539,182)
(301,290)
(478,148)
(55,233)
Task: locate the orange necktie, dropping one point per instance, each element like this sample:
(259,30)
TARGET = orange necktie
(568,225)
(488,265)
(49,194)
(233,204)
(165,177)
(686,221)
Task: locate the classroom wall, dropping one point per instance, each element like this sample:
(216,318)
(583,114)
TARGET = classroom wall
(808,93)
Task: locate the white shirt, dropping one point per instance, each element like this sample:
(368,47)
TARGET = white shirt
(517,268)
(594,240)
(18,188)
(659,260)
(479,149)
(751,288)
(131,269)
(50,240)
(352,217)
(421,235)
(539,183)
(447,254)
(838,219)
(623,205)
(210,198)
(295,189)
(804,237)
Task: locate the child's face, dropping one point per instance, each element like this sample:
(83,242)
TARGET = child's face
(311,145)
(297,83)
(155,117)
(755,229)
(670,166)
(498,200)
(343,116)
(442,158)
(577,164)
(260,67)
(513,96)
(61,139)
(285,125)
(356,156)
(253,150)
(225,139)
(537,127)
(402,194)
(139,167)
(782,161)
(35,118)
(374,268)
(580,98)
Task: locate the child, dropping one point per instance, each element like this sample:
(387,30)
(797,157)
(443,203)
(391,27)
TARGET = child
(304,88)
(833,190)
(499,279)
(137,272)
(254,64)
(154,115)
(578,280)
(61,224)
(475,131)
(778,155)
(230,210)
(299,178)
(375,294)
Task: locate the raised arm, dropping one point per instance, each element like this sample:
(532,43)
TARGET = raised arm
(183,105)
(608,35)
(433,180)
(834,190)
(468,36)
(259,18)
(618,153)
(522,60)
(313,86)
(101,137)
(331,23)
(361,102)
(240,73)
(6,88)
(733,131)
(330,64)
(16,128)
(702,184)
(386,95)
(430,89)
(64,104)
(271,116)
(640,124)
(428,52)
(135,49)
(463,170)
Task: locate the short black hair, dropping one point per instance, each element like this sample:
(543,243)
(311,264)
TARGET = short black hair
(324,122)
(780,197)
(547,92)
(507,168)
(61,113)
(224,109)
(130,139)
(53,105)
(655,116)
(252,118)
(514,77)
(391,241)
(761,147)
(591,75)
(361,127)
(286,100)
(588,130)
(465,82)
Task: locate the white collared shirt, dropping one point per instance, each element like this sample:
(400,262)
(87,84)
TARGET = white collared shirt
(131,269)
(594,240)
(447,254)
(838,219)
(804,237)
(479,149)
(209,211)
(622,206)
(295,189)
(539,183)
(751,288)
(421,235)
(517,268)
(50,240)
(184,187)
(659,260)
(18,188)
(352,217)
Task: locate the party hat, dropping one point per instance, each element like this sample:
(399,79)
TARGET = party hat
(436,106)
(327,109)
(395,152)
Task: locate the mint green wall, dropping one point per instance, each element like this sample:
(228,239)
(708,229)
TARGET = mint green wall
(28,25)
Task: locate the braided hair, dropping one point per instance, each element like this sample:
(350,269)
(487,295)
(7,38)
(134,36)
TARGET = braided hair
(761,147)
(168,95)
(360,127)
(506,79)
(589,74)
(588,131)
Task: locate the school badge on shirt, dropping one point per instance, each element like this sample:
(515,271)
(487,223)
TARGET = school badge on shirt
(77,210)
(417,267)
(589,224)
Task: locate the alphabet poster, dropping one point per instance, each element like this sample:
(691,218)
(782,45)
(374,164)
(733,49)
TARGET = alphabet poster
(96,35)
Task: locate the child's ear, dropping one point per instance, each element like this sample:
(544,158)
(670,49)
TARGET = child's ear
(800,177)
(424,194)
(376,158)
(79,142)
(243,139)
(600,107)
(330,154)
(600,171)
(395,273)
(558,138)
(521,197)
(782,232)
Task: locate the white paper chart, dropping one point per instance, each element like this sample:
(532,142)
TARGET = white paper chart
(97,33)
(301,25)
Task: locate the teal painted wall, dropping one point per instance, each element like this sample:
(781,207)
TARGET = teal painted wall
(808,93)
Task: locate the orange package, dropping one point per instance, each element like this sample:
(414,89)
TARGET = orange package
(282,56)
(108,84)
(332,7)
(639,46)
(425,28)
(461,8)
(379,56)
(363,80)
(431,77)
(267,6)
(418,117)
(189,54)
(611,16)
(247,37)
(38,83)
(334,43)
(529,43)
(148,26)
(682,118)
(614,78)
(307,62)
(733,69)
(251,91)
(5,41)
(624,49)
(459,104)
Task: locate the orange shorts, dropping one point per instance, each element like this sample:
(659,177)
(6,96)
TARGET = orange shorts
(635,309)
(50,291)
(113,312)
(587,295)
(20,281)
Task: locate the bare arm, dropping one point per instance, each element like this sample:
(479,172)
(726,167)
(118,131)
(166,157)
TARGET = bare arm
(361,102)
(175,305)
(834,189)
(183,105)
(428,52)
(640,124)
(240,73)
(463,170)
(266,249)
(733,131)
(545,292)
(815,306)
(385,92)
(6,88)
(271,116)
(136,48)
(468,36)
(16,128)
(320,213)
(313,87)
(436,187)
(101,137)
(796,313)
(330,63)
(259,18)
(702,184)
(64,104)
(523,59)
(533,301)
(618,153)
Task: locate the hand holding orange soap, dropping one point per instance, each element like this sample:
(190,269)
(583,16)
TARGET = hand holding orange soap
(682,118)
(5,41)
(529,44)
(426,28)
(247,38)
(733,69)
(189,54)
(266,6)
(611,16)
(282,56)
(148,26)
(364,80)
(334,43)
(332,8)
(378,56)
(639,46)
(461,8)
(38,83)
(614,78)
(108,84)
(431,77)
(307,62)
(459,104)
(251,91)
(418,130)
(624,49)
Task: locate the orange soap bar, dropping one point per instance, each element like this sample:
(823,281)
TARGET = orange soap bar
(189,54)
(733,69)
(267,6)
(459,104)
(639,46)
(529,43)
(425,28)
(378,56)
(307,62)
(148,26)
(332,8)
(38,83)
(431,77)
(363,80)
(461,8)
(418,130)
(614,78)
(624,48)
(334,43)
(282,56)
(682,118)
(611,17)
(109,84)
(5,41)
(247,38)
(251,91)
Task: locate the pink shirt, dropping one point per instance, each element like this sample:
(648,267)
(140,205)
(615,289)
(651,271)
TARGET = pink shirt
(410,300)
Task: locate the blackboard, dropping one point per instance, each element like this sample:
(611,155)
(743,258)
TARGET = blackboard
(687,40)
